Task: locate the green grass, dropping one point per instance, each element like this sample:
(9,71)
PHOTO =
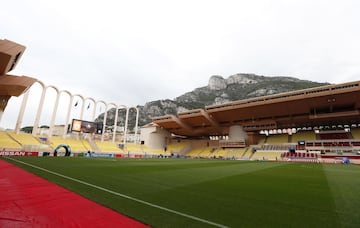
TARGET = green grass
(229,193)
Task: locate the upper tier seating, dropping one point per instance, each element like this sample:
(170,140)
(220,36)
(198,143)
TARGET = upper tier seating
(355,133)
(303,135)
(281,138)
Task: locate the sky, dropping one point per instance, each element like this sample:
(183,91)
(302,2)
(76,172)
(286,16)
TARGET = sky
(133,52)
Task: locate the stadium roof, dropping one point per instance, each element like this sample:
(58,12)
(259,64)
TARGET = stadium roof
(11,85)
(320,106)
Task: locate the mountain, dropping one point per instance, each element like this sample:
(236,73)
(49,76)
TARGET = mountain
(219,90)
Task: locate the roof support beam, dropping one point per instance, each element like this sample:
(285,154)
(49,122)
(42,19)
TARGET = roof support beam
(213,122)
(181,123)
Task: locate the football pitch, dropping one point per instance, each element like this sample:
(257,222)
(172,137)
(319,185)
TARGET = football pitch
(211,193)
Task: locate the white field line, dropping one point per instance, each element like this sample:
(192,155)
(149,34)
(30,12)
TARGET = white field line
(122,195)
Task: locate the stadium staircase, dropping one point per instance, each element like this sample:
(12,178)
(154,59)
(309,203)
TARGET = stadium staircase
(247,152)
(94,147)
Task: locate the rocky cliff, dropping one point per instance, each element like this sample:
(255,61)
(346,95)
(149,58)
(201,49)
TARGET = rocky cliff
(219,90)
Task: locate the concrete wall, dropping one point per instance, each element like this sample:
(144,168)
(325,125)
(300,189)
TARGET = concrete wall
(154,137)
(237,132)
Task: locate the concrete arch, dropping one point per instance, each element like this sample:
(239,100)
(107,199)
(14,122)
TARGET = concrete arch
(23,105)
(136,120)
(83,107)
(107,105)
(81,97)
(56,105)
(41,105)
(39,110)
(96,105)
(115,122)
(67,121)
(58,92)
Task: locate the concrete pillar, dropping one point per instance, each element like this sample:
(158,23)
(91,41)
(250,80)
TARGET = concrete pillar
(136,124)
(67,120)
(126,124)
(21,112)
(39,111)
(115,124)
(53,116)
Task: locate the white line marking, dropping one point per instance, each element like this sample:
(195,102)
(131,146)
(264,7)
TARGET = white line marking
(122,195)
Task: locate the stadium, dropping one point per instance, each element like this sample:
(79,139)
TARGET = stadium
(286,159)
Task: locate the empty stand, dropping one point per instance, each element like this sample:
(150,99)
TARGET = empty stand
(236,153)
(177,147)
(24,139)
(76,145)
(196,152)
(303,135)
(133,147)
(266,155)
(281,138)
(108,146)
(6,142)
(355,133)
(220,152)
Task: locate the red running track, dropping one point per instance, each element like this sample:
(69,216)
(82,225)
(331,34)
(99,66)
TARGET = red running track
(27,200)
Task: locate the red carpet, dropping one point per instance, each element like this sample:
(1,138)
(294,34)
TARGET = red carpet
(29,201)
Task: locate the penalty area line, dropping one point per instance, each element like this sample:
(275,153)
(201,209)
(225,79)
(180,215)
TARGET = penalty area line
(122,195)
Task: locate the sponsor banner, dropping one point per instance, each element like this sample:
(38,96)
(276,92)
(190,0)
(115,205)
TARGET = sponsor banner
(18,153)
(96,155)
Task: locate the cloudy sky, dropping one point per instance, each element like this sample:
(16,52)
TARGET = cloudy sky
(131,52)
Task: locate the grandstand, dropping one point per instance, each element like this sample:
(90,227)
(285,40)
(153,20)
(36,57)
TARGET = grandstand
(6,142)
(280,138)
(273,156)
(76,145)
(108,147)
(355,133)
(178,146)
(24,139)
(303,135)
(196,152)
(220,153)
